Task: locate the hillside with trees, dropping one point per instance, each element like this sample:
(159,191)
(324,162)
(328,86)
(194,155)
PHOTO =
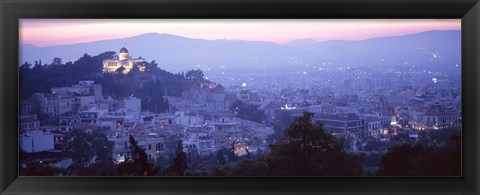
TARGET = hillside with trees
(151,85)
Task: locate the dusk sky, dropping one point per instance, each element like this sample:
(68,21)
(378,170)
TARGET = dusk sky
(48,32)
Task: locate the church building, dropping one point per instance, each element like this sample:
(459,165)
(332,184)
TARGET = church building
(111,65)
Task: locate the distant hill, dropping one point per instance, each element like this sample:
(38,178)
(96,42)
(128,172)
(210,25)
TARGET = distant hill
(176,53)
(424,47)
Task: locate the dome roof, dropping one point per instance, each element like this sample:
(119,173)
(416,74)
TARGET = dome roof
(123,50)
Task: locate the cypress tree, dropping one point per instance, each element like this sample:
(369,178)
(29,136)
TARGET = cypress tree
(140,159)
(179,165)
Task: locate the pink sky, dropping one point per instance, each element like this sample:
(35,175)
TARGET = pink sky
(48,32)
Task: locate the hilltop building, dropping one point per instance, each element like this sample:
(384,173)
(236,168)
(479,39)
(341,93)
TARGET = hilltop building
(124,59)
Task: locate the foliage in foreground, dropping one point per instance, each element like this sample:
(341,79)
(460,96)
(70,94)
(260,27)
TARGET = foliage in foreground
(305,150)
(418,160)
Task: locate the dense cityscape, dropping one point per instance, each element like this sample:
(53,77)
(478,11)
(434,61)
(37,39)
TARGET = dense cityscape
(345,113)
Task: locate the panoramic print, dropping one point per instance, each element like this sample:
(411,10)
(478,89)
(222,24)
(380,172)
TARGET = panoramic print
(231,97)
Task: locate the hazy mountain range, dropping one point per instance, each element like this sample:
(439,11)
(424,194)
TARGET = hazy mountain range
(175,53)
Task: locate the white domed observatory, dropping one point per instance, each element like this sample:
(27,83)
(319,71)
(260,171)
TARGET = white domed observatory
(124,60)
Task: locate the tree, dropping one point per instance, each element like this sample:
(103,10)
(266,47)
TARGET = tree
(135,71)
(201,165)
(309,151)
(374,145)
(248,112)
(137,164)
(192,154)
(249,167)
(220,156)
(166,105)
(417,160)
(56,61)
(102,148)
(82,147)
(151,67)
(402,138)
(120,70)
(152,95)
(106,168)
(285,119)
(277,135)
(78,146)
(151,85)
(39,169)
(57,74)
(179,164)
(195,75)
(171,144)
(232,157)
(25,66)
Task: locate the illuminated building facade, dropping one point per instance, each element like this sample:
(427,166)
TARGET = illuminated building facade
(124,60)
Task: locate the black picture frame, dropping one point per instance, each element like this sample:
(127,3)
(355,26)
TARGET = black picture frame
(13,10)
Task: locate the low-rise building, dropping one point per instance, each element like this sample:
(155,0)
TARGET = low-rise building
(28,107)
(153,145)
(226,125)
(187,120)
(48,103)
(85,102)
(66,122)
(269,110)
(91,115)
(377,125)
(434,117)
(132,104)
(165,121)
(36,141)
(29,123)
(198,139)
(341,124)
(111,121)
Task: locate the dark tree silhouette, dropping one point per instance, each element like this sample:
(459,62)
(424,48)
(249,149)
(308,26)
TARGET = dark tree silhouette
(309,151)
(249,167)
(139,160)
(248,112)
(179,164)
(78,146)
(38,169)
(82,147)
(56,62)
(232,157)
(102,147)
(221,156)
(196,76)
(277,135)
(417,160)
(120,70)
